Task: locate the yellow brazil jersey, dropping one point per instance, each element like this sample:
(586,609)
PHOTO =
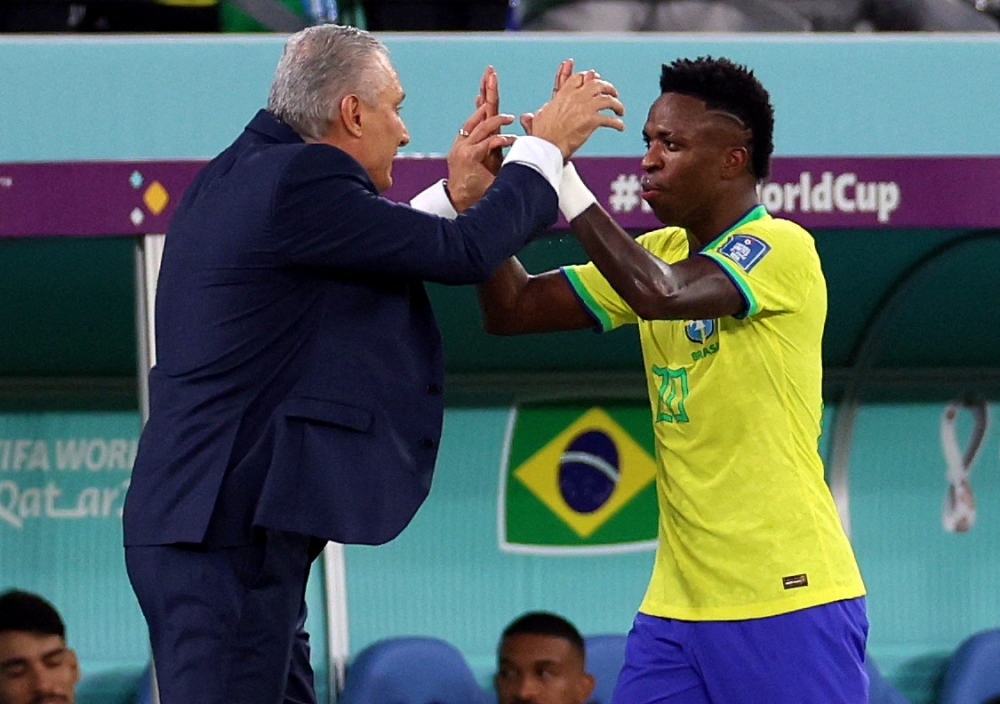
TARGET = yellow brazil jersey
(747,525)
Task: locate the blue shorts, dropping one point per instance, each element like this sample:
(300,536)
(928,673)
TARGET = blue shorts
(810,656)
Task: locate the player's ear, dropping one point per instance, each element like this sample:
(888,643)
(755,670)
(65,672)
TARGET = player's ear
(736,162)
(74,664)
(350,114)
(586,686)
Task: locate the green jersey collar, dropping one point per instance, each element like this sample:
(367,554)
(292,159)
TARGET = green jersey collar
(755,213)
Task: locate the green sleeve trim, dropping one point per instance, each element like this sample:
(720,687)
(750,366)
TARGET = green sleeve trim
(753,307)
(587,299)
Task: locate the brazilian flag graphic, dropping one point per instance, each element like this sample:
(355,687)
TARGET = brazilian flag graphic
(578,478)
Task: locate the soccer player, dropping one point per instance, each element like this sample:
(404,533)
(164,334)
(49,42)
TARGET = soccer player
(755,595)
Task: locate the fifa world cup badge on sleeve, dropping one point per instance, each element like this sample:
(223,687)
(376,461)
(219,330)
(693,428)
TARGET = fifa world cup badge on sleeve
(746,251)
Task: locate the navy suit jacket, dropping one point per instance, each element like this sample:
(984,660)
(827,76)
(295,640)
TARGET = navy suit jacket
(299,374)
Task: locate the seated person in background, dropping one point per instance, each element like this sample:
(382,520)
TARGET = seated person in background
(930,16)
(660,16)
(35,664)
(759,15)
(895,15)
(540,660)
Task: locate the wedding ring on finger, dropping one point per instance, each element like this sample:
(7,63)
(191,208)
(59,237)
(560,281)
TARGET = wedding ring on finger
(462,132)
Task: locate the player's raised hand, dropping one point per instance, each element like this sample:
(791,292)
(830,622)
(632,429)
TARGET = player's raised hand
(563,73)
(489,98)
(576,110)
(489,91)
(470,157)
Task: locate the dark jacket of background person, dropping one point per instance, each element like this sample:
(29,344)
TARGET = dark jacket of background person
(305,392)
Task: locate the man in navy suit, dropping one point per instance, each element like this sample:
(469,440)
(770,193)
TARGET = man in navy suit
(297,394)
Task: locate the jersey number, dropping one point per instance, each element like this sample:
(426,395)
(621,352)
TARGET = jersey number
(673,393)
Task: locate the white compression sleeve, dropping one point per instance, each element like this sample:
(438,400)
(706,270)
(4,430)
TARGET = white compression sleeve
(574,196)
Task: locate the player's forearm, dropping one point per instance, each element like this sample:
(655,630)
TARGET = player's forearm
(499,296)
(645,282)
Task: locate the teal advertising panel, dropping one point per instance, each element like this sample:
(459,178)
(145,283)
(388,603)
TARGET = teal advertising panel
(63,478)
(925,515)
(62,470)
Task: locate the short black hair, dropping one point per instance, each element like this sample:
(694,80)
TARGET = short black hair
(544,623)
(30,613)
(724,85)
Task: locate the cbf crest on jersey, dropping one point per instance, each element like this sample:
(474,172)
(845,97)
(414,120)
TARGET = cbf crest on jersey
(578,478)
(746,251)
(699,331)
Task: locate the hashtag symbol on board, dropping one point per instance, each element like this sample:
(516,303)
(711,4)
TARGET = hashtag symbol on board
(625,193)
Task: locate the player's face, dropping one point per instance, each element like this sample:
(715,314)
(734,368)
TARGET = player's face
(685,156)
(385,131)
(539,669)
(36,669)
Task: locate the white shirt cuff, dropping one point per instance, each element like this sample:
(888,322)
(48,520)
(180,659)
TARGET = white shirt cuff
(434,200)
(539,154)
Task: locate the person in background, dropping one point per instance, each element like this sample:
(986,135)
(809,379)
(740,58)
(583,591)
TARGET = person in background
(541,659)
(895,15)
(36,666)
(659,16)
(758,15)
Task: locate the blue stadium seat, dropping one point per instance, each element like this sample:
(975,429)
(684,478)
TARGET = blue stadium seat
(972,674)
(605,655)
(144,693)
(880,690)
(411,670)
(109,685)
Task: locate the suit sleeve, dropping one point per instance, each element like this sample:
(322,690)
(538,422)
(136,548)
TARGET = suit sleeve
(327,215)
